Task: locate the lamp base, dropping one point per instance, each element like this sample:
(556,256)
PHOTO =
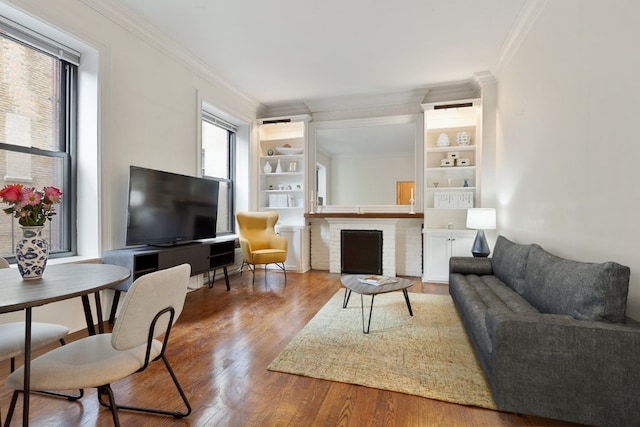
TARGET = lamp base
(480,246)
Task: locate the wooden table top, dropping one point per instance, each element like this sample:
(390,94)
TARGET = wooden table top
(59,282)
(350,281)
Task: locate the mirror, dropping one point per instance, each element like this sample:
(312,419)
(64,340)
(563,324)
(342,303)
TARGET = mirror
(363,162)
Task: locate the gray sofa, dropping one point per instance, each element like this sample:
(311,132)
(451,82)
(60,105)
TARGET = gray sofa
(551,334)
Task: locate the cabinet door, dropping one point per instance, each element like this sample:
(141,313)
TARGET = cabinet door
(462,243)
(437,253)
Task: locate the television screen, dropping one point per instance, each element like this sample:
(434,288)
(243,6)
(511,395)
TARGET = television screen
(167,208)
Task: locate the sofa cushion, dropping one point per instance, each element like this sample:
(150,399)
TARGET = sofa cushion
(582,290)
(509,262)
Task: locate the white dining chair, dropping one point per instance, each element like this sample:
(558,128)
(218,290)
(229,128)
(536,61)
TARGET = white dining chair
(12,335)
(150,308)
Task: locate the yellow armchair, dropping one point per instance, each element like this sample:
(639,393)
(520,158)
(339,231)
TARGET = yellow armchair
(259,242)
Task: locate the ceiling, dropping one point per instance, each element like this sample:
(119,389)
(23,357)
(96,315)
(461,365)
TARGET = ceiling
(282,52)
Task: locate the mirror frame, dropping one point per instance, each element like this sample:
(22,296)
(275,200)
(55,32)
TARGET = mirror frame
(416,119)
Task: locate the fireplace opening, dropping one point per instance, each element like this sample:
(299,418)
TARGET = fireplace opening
(361,251)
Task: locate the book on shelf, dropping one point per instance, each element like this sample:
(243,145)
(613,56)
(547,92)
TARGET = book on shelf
(377,280)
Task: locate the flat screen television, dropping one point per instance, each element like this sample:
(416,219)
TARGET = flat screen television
(167,209)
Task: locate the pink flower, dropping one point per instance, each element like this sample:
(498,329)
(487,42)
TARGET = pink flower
(31,197)
(53,194)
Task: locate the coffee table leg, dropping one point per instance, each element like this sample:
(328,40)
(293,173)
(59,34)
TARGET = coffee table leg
(406,298)
(366,331)
(347,295)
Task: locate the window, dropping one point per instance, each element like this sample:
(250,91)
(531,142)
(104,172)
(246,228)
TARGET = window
(37,129)
(218,160)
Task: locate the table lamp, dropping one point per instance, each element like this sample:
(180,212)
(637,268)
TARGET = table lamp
(481,219)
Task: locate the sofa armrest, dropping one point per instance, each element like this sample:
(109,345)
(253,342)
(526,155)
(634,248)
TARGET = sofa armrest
(559,367)
(470,265)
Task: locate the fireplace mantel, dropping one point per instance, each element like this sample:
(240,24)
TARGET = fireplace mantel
(367,215)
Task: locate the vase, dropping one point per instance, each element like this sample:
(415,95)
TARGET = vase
(267,167)
(32,253)
(278,167)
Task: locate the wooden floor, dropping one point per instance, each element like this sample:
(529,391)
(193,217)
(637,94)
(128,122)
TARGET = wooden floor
(220,349)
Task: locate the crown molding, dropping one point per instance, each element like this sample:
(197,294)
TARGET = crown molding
(527,17)
(132,23)
(353,102)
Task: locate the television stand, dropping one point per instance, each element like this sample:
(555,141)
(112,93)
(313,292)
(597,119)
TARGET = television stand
(204,257)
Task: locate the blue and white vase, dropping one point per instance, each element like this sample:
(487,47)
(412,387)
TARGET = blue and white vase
(32,253)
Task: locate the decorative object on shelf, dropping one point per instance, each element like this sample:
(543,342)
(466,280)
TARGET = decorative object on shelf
(435,184)
(466,182)
(412,203)
(278,167)
(449,181)
(280,187)
(463,162)
(289,187)
(312,204)
(267,167)
(453,199)
(293,166)
(271,152)
(298,186)
(270,187)
(463,138)
(443,140)
(481,219)
(453,155)
(288,150)
(32,253)
(446,162)
(32,208)
(292,201)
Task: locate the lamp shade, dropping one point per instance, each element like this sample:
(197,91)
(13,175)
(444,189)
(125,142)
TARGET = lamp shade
(481,218)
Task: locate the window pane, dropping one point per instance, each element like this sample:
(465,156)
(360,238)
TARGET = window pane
(38,172)
(215,151)
(224,196)
(29,96)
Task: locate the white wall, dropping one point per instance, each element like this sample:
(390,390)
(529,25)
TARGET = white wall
(148,100)
(567,170)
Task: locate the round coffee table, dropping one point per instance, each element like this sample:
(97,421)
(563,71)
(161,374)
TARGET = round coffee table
(351,283)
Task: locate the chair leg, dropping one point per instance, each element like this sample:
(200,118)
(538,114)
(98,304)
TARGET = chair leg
(114,407)
(12,406)
(106,389)
(281,265)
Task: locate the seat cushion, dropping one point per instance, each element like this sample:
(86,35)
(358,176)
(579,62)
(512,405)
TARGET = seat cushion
(89,362)
(268,256)
(12,337)
(582,290)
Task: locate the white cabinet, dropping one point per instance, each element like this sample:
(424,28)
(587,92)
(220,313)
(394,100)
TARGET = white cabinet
(439,246)
(281,146)
(298,259)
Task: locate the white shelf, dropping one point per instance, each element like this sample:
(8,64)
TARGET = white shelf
(282,174)
(451,148)
(449,188)
(452,168)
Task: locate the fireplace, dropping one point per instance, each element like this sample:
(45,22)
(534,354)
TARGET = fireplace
(361,251)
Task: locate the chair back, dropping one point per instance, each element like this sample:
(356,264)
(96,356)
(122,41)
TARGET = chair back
(4,263)
(258,227)
(147,296)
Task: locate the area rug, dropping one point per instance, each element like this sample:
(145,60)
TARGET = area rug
(426,355)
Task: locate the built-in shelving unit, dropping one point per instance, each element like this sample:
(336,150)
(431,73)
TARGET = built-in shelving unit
(282,143)
(451,171)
